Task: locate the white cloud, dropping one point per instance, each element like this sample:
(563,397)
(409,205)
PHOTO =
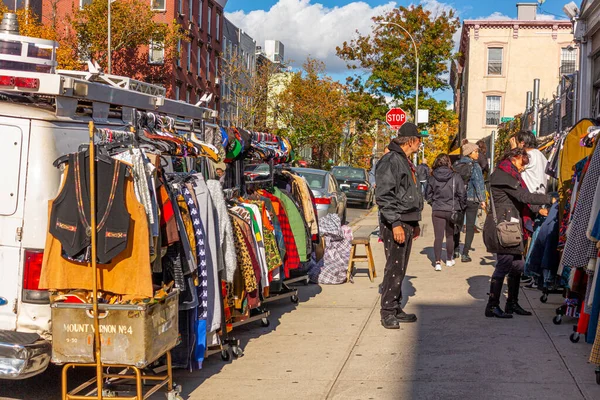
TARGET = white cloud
(495,16)
(309,28)
(545,17)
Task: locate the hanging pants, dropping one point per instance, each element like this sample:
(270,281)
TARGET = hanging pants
(397,256)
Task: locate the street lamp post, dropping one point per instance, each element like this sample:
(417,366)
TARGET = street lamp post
(417,60)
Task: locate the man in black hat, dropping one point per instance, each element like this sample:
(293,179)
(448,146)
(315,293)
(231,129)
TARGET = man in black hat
(400,204)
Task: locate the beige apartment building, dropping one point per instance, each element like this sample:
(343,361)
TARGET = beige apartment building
(498,63)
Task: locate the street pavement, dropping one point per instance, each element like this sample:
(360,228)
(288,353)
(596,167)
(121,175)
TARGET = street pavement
(332,345)
(355,214)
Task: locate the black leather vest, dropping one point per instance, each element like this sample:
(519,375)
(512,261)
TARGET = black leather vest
(70,215)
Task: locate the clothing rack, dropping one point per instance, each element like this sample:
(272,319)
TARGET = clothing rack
(139,377)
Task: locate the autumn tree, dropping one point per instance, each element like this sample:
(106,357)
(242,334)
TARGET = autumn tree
(311,108)
(388,54)
(364,112)
(30,25)
(133,26)
(440,138)
(248,90)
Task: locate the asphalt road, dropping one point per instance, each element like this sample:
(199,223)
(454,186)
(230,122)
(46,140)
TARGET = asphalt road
(354,213)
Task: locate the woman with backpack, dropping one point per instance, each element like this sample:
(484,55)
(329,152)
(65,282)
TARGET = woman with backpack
(447,196)
(469,169)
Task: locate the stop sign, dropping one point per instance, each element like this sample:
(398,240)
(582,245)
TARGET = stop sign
(396,117)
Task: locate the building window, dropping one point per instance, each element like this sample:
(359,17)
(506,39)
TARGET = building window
(177,90)
(216,66)
(198,60)
(178,61)
(492,110)
(180,7)
(218,25)
(568,60)
(156,54)
(495,61)
(83,3)
(189,56)
(156,5)
(208,65)
(209,20)
(200,13)
(187,95)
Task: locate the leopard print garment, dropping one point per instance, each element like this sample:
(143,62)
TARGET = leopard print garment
(244,262)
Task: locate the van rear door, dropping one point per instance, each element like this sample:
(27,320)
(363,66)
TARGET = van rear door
(14,144)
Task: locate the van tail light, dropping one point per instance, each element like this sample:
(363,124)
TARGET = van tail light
(31,278)
(27,83)
(362,187)
(7,80)
(322,200)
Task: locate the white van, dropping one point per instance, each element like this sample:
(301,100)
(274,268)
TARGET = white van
(42,117)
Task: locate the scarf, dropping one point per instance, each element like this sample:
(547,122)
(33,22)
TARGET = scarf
(526,214)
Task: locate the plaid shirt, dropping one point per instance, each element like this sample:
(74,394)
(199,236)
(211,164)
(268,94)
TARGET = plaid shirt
(292,259)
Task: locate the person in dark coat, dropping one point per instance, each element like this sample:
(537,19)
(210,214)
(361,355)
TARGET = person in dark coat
(447,195)
(512,201)
(423,173)
(400,204)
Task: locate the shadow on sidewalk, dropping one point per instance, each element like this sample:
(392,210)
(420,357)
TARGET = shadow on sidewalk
(213,365)
(479,286)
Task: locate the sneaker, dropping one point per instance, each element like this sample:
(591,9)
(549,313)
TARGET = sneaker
(526,279)
(531,285)
(465,258)
(456,254)
(450,263)
(438,267)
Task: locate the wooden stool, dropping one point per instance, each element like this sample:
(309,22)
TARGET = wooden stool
(368,258)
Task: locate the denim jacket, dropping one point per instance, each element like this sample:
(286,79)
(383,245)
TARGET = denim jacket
(476,187)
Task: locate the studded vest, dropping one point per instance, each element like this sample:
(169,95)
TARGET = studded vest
(70,214)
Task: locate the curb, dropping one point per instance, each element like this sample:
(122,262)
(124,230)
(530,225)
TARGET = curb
(357,221)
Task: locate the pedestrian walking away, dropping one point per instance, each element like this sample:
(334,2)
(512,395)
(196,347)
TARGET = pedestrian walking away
(510,203)
(448,198)
(423,173)
(469,169)
(400,204)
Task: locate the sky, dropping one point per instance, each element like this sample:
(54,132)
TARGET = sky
(316,27)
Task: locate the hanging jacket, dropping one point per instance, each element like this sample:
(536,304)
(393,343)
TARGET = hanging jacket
(446,191)
(396,191)
(296,223)
(70,215)
(509,198)
(225,229)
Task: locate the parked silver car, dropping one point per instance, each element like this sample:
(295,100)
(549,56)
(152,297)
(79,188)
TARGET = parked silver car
(328,196)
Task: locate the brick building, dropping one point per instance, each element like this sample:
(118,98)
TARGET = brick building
(196,71)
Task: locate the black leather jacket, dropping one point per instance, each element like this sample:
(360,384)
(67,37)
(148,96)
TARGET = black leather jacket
(397,195)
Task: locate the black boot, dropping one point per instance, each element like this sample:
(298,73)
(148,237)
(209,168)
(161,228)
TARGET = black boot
(492,309)
(512,302)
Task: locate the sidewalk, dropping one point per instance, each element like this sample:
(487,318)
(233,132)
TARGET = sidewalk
(332,345)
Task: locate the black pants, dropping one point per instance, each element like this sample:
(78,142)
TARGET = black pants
(511,265)
(397,256)
(443,225)
(471,217)
(508,264)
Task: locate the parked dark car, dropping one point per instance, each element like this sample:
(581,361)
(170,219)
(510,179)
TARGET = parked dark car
(328,196)
(356,184)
